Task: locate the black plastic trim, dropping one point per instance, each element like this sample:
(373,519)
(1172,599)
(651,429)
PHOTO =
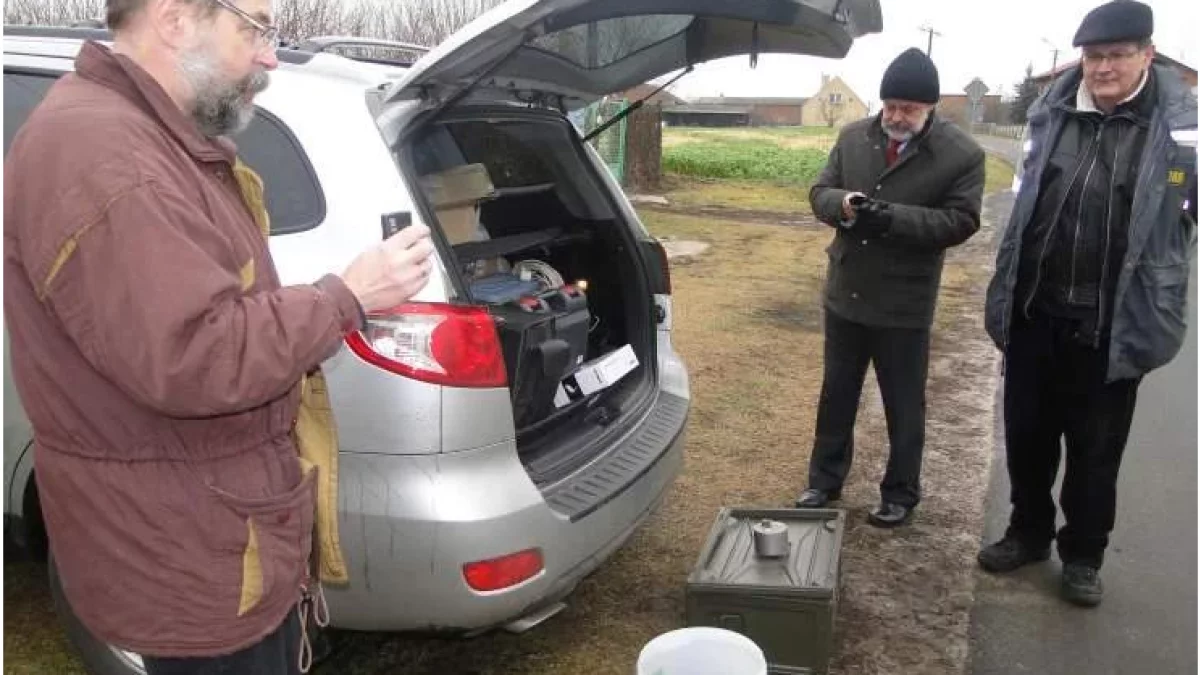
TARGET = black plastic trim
(604,480)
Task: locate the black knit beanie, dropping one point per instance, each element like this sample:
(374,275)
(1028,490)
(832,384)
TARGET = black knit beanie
(911,77)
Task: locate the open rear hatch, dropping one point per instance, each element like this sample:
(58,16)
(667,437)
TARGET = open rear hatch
(568,53)
(535,231)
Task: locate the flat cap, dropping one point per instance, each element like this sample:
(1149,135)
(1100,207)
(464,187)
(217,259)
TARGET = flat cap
(1116,21)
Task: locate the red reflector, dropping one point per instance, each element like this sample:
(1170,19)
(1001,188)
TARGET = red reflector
(443,344)
(501,573)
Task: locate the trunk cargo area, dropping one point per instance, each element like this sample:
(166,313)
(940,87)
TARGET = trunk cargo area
(537,238)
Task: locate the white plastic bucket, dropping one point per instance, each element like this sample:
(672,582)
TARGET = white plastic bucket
(701,651)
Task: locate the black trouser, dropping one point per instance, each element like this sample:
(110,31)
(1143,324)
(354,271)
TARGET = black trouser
(277,654)
(901,358)
(1054,387)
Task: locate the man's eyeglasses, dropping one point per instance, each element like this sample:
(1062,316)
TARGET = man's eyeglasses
(265,36)
(1116,57)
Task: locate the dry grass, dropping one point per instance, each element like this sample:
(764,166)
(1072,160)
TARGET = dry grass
(743,199)
(999,175)
(34,643)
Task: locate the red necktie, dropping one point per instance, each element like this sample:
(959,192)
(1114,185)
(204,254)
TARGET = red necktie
(893,151)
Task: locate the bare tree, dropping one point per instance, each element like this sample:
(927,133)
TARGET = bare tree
(52,12)
(425,22)
(831,110)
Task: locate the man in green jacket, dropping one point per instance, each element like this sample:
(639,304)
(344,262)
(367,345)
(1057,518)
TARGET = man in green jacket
(899,189)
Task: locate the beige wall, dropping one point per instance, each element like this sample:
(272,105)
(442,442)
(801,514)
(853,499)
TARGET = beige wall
(835,102)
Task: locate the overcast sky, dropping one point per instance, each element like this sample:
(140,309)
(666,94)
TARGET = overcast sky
(993,44)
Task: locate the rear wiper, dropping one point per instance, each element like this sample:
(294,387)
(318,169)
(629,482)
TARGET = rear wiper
(633,106)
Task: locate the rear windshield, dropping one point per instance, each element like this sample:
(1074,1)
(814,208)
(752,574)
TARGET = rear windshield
(602,43)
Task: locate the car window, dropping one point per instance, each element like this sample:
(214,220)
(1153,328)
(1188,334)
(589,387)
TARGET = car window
(295,200)
(22,93)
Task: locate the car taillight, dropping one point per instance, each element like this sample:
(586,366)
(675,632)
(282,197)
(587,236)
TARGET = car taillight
(506,572)
(443,344)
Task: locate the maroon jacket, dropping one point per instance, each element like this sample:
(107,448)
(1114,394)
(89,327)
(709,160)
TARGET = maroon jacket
(158,360)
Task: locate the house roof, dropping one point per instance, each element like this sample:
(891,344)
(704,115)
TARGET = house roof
(746,101)
(640,91)
(701,109)
(836,78)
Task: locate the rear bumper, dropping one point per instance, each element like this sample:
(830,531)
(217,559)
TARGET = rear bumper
(409,523)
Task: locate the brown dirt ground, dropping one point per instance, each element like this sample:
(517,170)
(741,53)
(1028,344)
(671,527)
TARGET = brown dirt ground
(749,327)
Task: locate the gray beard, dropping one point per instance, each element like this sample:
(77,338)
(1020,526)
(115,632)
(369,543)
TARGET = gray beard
(219,108)
(902,136)
(896,134)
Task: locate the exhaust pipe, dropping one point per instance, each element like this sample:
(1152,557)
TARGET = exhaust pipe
(534,619)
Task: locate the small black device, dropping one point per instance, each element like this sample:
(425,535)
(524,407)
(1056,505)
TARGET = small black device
(394,222)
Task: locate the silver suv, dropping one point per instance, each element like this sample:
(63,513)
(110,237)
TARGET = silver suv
(507,431)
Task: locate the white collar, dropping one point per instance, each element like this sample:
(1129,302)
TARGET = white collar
(1085,103)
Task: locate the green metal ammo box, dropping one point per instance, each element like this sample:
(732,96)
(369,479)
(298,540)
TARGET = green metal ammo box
(787,604)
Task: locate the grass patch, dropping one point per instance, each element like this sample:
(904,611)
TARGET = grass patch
(784,198)
(777,154)
(761,168)
(34,642)
(999,175)
(743,159)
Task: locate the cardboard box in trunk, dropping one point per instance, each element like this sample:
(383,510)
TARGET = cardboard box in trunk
(456,195)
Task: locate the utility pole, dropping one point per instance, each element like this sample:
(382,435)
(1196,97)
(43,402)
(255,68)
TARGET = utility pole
(929,29)
(1054,63)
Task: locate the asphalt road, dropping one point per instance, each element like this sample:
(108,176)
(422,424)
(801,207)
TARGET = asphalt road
(1147,623)
(1007,148)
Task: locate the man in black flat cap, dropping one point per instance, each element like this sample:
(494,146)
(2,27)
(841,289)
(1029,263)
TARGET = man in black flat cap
(1090,286)
(899,189)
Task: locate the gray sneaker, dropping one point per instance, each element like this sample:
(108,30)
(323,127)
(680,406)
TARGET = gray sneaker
(1081,585)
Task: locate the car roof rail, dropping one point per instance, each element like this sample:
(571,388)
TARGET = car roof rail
(325,43)
(93,29)
(76,32)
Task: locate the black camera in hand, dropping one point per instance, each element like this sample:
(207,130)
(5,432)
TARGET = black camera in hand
(872,217)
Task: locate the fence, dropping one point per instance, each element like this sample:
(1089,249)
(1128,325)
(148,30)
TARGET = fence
(1001,130)
(611,144)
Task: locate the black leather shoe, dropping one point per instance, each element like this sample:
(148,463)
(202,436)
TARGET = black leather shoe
(813,498)
(888,514)
(1009,554)
(1081,585)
